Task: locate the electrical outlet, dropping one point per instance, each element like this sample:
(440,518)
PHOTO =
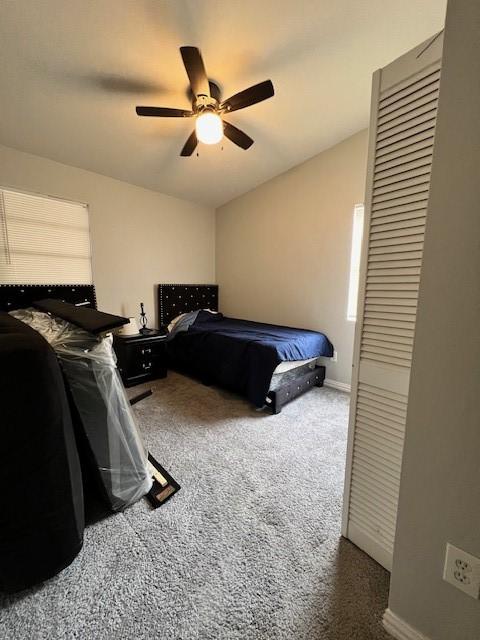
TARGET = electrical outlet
(334,358)
(462,570)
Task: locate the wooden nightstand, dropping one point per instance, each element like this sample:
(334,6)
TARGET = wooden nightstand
(141,358)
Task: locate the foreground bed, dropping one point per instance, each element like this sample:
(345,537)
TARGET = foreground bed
(268,364)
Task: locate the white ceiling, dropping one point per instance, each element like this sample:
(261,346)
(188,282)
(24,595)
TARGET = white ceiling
(72,71)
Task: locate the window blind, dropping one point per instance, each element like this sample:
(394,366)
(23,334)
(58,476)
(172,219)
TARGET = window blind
(43,240)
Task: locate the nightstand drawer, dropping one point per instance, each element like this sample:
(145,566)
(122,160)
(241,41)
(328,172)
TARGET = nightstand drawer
(141,358)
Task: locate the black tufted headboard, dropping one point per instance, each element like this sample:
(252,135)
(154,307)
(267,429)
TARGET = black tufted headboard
(174,299)
(20,296)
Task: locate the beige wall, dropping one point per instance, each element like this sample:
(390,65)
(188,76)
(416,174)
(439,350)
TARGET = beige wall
(139,237)
(283,249)
(440,484)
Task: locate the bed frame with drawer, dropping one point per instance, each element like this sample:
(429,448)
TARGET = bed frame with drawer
(174,299)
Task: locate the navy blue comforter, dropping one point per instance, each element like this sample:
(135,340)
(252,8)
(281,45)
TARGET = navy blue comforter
(241,355)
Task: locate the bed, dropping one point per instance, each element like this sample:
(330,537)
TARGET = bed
(268,364)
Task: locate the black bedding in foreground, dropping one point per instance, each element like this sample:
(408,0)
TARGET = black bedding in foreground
(241,355)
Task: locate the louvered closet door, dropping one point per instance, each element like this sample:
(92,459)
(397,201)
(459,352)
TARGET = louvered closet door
(404,105)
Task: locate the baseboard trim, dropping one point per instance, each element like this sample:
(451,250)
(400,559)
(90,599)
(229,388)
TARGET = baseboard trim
(334,384)
(399,629)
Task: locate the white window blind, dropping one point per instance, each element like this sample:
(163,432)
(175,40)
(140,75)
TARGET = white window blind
(357,235)
(43,240)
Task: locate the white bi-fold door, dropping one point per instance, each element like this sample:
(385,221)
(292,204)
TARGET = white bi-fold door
(402,131)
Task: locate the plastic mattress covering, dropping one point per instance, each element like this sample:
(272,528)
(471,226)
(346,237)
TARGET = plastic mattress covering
(89,365)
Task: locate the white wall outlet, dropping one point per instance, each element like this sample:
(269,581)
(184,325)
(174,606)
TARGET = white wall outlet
(462,570)
(334,358)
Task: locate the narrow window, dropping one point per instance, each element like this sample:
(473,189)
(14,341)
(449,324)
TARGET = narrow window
(357,234)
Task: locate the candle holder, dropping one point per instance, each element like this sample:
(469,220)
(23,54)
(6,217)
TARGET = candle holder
(144,320)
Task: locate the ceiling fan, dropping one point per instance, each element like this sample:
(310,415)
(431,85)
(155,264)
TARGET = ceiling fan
(208,108)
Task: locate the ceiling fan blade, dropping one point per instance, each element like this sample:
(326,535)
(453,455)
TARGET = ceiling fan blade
(163,112)
(190,145)
(252,95)
(192,59)
(237,136)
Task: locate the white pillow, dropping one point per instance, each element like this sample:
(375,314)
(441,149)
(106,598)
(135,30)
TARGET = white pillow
(172,324)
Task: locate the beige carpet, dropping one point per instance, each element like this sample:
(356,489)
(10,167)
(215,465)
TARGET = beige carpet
(249,549)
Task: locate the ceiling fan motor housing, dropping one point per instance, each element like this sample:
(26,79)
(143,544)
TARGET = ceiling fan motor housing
(202,102)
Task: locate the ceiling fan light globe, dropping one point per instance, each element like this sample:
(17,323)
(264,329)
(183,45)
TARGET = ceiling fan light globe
(209,128)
